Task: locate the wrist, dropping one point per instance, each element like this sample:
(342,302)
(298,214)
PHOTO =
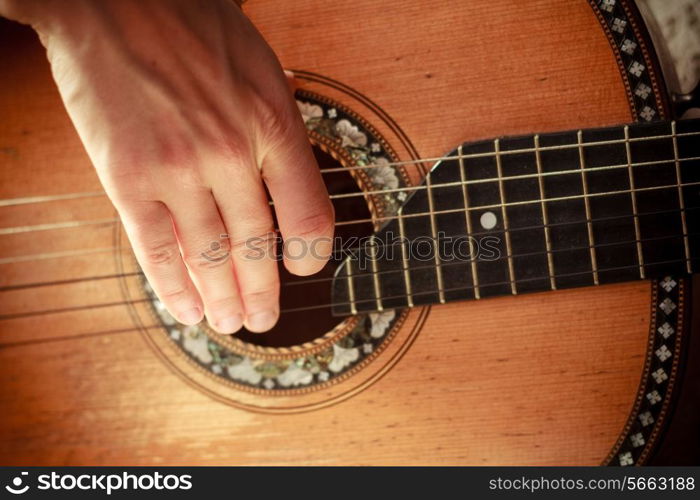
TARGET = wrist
(26,11)
(45,16)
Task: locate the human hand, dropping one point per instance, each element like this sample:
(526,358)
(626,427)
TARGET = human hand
(186,115)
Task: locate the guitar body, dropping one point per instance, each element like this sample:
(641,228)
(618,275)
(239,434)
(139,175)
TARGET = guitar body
(561,377)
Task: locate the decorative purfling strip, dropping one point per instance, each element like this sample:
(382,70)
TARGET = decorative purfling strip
(634,62)
(647,418)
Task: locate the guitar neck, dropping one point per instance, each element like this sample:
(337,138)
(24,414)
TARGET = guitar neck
(538,212)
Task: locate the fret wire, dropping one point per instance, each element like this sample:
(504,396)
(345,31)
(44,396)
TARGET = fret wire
(404,258)
(587,204)
(433,229)
(633,196)
(681,200)
(351,287)
(545,220)
(465,197)
(375,275)
(501,192)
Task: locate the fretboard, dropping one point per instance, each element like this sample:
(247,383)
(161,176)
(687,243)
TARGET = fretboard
(532,213)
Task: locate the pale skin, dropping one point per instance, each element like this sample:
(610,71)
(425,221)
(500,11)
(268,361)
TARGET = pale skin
(187,116)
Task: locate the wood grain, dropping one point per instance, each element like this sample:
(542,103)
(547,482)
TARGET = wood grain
(543,379)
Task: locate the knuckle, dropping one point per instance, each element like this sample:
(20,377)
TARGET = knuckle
(162,254)
(267,293)
(184,175)
(145,179)
(258,244)
(201,262)
(174,295)
(175,148)
(274,119)
(227,303)
(129,185)
(233,144)
(315,225)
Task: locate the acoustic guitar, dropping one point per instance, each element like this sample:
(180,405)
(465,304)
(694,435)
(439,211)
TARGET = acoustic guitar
(537,138)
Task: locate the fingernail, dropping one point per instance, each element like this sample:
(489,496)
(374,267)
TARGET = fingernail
(229,325)
(191,316)
(261,322)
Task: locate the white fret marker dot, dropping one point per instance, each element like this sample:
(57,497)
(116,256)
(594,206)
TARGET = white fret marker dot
(488,220)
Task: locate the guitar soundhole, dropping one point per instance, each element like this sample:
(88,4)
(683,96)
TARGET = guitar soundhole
(314,292)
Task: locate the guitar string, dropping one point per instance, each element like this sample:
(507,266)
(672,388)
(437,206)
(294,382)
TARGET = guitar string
(69,281)
(307,281)
(26,200)
(520,203)
(21,286)
(60,338)
(48,198)
(79,252)
(61,254)
(73,224)
(493,154)
(340,251)
(37,199)
(5,317)
(466,262)
(69,253)
(423,187)
(485,285)
(504,257)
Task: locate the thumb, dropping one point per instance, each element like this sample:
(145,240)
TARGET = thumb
(302,206)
